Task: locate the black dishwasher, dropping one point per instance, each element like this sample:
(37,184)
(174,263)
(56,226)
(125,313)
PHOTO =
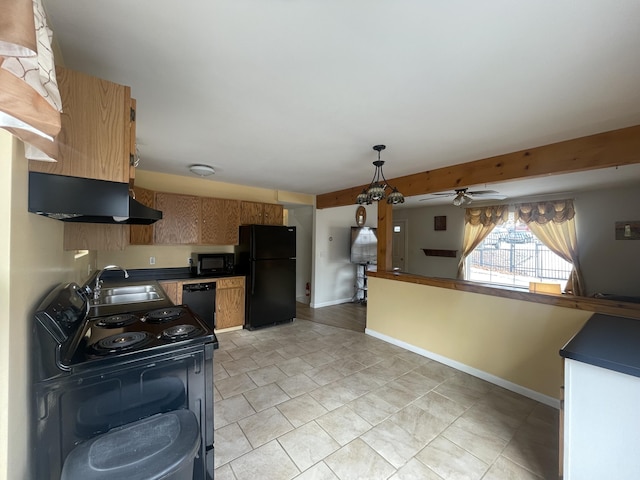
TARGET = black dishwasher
(201,298)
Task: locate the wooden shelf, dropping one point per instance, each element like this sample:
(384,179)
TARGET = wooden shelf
(429,252)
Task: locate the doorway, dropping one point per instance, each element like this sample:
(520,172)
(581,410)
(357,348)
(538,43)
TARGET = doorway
(399,256)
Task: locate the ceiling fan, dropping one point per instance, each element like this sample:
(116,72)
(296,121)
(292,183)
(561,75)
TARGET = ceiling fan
(462,196)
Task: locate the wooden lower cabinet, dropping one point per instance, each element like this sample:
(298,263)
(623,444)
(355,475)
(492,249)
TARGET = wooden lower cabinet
(230,296)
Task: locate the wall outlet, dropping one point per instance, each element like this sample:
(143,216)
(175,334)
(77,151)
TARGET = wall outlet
(152,260)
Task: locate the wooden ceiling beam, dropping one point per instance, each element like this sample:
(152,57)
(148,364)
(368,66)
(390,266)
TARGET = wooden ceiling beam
(608,149)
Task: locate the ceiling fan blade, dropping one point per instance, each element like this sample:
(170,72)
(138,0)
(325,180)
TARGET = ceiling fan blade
(482,192)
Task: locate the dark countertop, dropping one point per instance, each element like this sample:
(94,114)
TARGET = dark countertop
(608,342)
(142,274)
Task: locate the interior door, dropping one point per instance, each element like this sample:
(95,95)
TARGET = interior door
(399,245)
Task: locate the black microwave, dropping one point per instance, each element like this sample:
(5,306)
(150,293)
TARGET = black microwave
(203,264)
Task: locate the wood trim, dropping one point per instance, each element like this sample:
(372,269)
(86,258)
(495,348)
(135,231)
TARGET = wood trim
(609,149)
(385,236)
(595,305)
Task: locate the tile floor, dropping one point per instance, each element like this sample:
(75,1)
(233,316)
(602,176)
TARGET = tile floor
(311,401)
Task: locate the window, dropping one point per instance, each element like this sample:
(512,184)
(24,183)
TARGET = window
(512,255)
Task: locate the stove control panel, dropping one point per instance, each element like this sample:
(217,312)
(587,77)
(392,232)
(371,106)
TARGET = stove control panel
(62,310)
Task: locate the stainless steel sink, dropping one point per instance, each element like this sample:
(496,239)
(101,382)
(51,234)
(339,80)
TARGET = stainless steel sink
(107,292)
(129,294)
(129,298)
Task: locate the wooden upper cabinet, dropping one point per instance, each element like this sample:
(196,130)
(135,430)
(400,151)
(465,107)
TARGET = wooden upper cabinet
(273,214)
(256,213)
(142,234)
(250,213)
(180,216)
(95,139)
(220,221)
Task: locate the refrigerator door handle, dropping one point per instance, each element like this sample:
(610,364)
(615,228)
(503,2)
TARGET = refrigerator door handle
(253,278)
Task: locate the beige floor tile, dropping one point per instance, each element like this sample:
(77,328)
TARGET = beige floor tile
(366,358)
(229,387)
(440,407)
(269,462)
(475,438)
(264,426)
(396,395)
(266,375)
(373,408)
(415,383)
(319,471)
(230,443)
(343,424)
(231,410)
(297,385)
(539,458)
(436,371)
(324,374)
(504,468)
(450,461)
(301,410)
(308,445)
(461,394)
(318,358)
(265,358)
(419,423)
(220,356)
(294,366)
(395,444)
(241,352)
(333,396)
(359,383)
(347,366)
(358,461)
(242,365)
(413,358)
(224,473)
(216,395)
(291,351)
(265,397)
(266,346)
(414,470)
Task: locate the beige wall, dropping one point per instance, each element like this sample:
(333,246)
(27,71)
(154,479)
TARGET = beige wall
(514,340)
(32,262)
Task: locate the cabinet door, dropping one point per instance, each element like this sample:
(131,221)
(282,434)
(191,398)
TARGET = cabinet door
(220,221)
(95,236)
(142,234)
(251,213)
(95,138)
(171,289)
(179,224)
(273,214)
(230,302)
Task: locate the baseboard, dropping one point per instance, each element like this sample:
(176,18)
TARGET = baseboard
(501,382)
(230,329)
(303,299)
(332,302)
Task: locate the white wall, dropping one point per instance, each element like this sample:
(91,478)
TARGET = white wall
(333,273)
(421,234)
(302,218)
(608,265)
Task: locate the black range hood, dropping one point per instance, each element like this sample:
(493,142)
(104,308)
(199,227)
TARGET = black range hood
(76,199)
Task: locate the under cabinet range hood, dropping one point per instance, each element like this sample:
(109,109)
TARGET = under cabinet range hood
(76,199)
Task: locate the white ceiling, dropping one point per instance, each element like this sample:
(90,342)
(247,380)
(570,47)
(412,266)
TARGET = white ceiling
(292,95)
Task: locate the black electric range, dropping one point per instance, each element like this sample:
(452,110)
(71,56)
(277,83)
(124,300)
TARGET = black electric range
(95,375)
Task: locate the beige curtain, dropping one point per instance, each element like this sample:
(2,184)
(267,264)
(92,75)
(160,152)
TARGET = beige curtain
(554,224)
(29,99)
(478,223)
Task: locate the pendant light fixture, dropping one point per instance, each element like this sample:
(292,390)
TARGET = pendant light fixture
(378,186)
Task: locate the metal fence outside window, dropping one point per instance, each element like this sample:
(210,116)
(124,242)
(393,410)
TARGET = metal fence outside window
(532,261)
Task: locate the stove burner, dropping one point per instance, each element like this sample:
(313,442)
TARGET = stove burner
(120,342)
(115,321)
(164,314)
(180,332)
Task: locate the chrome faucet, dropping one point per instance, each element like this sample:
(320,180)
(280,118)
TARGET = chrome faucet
(98,282)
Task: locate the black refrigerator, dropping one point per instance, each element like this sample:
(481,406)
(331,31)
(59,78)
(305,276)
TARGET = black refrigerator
(266,255)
